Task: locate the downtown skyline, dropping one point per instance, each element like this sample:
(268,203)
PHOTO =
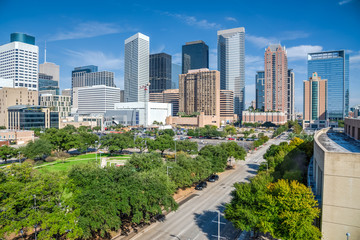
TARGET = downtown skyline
(79,38)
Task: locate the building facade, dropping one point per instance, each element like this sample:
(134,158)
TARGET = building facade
(278,118)
(57,103)
(352,128)
(47,84)
(17,136)
(97,99)
(23,117)
(50,69)
(199,91)
(167,96)
(66,92)
(231,64)
(136,72)
(333,66)
(260,90)
(175,72)
(5,82)
(15,96)
(195,55)
(315,102)
(334,178)
(88,76)
(160,72)
(19,61)
(290,109)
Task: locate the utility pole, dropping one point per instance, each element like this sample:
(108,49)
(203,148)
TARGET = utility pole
(146,88)
(218,222)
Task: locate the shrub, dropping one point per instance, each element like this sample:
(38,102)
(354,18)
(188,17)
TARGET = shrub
(32,162)
(50,159)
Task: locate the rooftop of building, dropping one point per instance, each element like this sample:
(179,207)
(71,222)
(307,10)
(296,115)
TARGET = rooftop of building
(338,142)
(195,42)
(231,31)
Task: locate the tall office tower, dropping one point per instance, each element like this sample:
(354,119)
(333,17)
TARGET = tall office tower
(136,72)
(260,90)
(160,72)
(89,76)
(199,91)
(50,69)
(291,95)
(167,96)
(175,72)
(19,61)
(333,66)
(226,103)
(231,64)
(276,78)
(97,99)
(195,55)
(49,75)
(315,102)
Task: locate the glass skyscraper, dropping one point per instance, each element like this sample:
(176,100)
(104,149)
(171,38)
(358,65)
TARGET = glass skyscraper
(231,64)
(333,66)
(260,89)
(175,72)
(195,55)
(160,72)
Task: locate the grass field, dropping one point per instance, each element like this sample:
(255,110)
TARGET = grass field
(66,165)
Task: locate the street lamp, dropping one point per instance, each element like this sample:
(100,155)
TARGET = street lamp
(347,236)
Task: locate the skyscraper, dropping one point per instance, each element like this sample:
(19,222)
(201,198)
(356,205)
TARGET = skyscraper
(291,95)
(49,75)
(231,64)
(333,66)
(315,102)
(136,72)
(160,72)
(19,61)
(276,78)
(175,72)
(195,55)
(260,90)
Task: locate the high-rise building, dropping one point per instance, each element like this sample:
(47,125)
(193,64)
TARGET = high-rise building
(195,55)
(315,102)
(10,96)
(19,61)
(160,72)
(47,84)
(231,64)
(291,95)
(260,90)
(333,66)
(97,99)
(136,72)
(226,103)
(88,76)
(276,79)
(167,96)
(199,91)
(50,69)
(175,72)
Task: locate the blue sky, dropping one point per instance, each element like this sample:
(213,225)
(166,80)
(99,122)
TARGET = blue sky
(93,32)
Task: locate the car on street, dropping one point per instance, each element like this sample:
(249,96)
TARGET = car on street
(230,138)
(201,185)
(213,178)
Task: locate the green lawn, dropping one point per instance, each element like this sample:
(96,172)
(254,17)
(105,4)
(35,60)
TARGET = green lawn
(77,160)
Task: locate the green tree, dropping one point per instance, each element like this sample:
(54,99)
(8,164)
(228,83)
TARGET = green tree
(216,155)
(86,139)
(140,143)
(2,127)
(63,139)
(234,150)
(161,143)
(37,149)
(230,130)
(145,161)
(187,146)
(116,142)
(169,132)
(97,128)
(7,152)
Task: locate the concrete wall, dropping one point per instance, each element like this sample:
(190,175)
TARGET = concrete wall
(352,127)
(340,191)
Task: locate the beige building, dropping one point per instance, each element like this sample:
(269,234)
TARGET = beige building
(57,103)
(66,92)
(78,121)
(167,96)
(334,177)
(19,136)
(352,127)
(199,91)
(315,102)
(277,118)
(15,96)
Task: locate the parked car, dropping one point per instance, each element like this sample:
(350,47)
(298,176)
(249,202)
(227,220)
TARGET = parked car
(201,185)
(230,138)
(213,178)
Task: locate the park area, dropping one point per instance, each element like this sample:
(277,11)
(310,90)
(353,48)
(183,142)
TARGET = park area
(67,164)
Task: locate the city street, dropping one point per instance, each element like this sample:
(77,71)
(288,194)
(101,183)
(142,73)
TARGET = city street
(196,219)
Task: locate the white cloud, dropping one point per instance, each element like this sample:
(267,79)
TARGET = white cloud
(159,49)
(176,58)
(213,59)
(87,30)
(193,21)
(300,52)
(98,58)
(344,2)
(232,19)
(260,41)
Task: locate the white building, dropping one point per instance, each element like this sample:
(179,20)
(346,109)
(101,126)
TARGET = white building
(19,61)
(50,69)
(231,64)
(57,103)
(154,111)
(136,72)
(4,82)
(97,99)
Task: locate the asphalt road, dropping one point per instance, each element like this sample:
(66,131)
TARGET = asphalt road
(197,218)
